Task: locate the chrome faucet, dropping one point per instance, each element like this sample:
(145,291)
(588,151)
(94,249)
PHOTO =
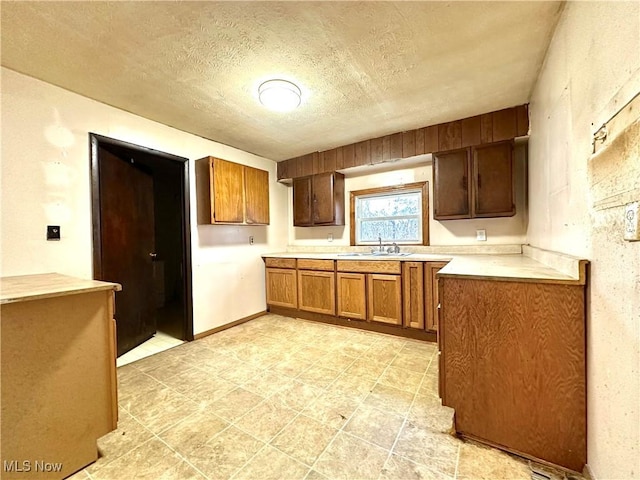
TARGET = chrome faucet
(380,242)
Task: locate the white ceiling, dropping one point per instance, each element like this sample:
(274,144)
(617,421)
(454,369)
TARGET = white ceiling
(366,68)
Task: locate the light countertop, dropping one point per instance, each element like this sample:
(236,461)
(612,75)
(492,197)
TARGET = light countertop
(503,267)
(46,285)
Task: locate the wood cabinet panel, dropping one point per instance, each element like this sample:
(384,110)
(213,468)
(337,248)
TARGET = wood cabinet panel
(486,128)
(348,156)
(315,264)
(522,120)
(384,298)
(409,144)
(413,294)
(493,180)
(352,298)
(302,202)
(256,186)
(228,181)
(420,141)
(392,147)
(514,366)
(366,266)
(450,136)
(431,294)
(504,124)
(280,262)
(229,192)
(451,187)
(431,139)
(281,287)
(376,146)
(362,152)
(317,291)
(471,131)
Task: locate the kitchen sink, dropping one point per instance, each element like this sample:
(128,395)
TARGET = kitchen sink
(374,254)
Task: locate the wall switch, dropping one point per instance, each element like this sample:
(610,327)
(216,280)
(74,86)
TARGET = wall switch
(330,237)
(481,235)
(632,222)
(251,240)
(53,232)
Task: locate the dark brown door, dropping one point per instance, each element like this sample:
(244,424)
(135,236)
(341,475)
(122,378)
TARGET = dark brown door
(302,206)
(493,180)
(323,204)
(128,246)
(451,185)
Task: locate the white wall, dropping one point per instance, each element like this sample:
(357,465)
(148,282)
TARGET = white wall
(507,230)
(45,180)
(592,69)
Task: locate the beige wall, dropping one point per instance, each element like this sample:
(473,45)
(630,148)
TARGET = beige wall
(509,230)
(576,203)
(45,180)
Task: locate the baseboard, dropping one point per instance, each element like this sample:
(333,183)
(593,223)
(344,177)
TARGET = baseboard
(198,336)
(587,473)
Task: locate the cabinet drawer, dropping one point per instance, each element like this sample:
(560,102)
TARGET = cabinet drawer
(365,266)
(280,262)
(313,264)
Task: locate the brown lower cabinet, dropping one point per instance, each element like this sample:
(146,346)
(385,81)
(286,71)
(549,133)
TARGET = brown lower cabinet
(282,287)
(352,295)
(512,365)
(431,294)
(317,291)
(413,294)
(384,298)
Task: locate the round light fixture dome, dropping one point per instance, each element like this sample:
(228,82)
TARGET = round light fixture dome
(279,95)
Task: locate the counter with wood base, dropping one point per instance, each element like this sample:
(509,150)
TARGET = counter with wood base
(513,360)
(58,373)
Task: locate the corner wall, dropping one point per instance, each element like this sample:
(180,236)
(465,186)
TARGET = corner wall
(576,200)
(45,175)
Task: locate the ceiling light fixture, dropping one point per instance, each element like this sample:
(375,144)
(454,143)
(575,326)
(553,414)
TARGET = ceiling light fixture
(279,95)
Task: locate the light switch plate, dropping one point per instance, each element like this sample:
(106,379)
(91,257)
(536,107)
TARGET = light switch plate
(632,222)
(330,237)
(481,235)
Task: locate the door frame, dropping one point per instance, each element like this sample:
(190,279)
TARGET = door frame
(95,141)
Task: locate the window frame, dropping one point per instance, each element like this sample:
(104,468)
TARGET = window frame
(423,187)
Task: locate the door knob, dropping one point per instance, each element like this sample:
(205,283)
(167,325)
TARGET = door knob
(153,255)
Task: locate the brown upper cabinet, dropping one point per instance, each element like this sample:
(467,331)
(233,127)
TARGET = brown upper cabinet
(474,182)
(474,131)
(318,200)
(231,193)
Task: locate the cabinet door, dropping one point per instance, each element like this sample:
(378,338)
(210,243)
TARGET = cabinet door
(317,291)
(493,180)
(256,187)
(451,185)
(432,296)
(281,287)
(352,299)
(413,294)
(384,296)
(323,196)
(302,206)
(228,191)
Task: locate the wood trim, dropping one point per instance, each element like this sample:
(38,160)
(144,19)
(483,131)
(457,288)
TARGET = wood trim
(369,266)
(95,141)
(315,264)
(370,326)
(422,186)
(113,353)
(206,333)
(280,262)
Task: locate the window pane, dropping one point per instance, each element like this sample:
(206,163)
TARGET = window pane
(402,230)
(389,205)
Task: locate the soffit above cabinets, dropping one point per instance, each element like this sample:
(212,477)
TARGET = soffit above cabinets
(366,69)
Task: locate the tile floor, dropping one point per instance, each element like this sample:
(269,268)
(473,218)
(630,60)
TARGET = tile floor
(156,344)
(282,398)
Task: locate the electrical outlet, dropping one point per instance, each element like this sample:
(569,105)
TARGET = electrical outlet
(481,235)
(330,237)
(251,240)
(53,232)
(632,222)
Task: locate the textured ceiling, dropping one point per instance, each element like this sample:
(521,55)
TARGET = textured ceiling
(366,69)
